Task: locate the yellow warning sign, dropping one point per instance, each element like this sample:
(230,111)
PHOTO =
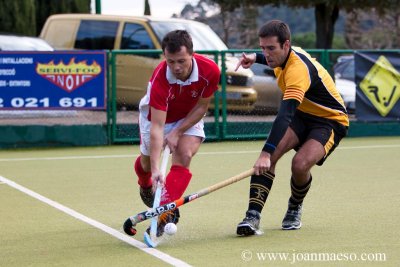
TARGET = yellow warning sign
(382,85)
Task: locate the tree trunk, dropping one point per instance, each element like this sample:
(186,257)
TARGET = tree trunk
(248,37)
(225,26)
(325,18)
(147,10)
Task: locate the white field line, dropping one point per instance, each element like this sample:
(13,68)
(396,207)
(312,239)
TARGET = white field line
(199,153)
(153,252)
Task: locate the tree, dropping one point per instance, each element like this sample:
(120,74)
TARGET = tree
(27,17)
(326,16)
(368,30)
(246,21)
(45,8)
(147,10)
(248,26)
(227,8)
(326,12)
(18,17)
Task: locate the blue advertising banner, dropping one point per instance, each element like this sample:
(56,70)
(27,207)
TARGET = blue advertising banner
(378,85)
(69,80)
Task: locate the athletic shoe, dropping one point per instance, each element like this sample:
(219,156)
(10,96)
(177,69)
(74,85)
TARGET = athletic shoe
(292,219)
(171,216)
(250,225)
(147,196)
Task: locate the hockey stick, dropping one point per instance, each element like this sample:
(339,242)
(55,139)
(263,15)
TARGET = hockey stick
(130,223)
(151,240)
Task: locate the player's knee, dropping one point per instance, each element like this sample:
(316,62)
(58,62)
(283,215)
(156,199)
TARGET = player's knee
(299,166)
(184,157)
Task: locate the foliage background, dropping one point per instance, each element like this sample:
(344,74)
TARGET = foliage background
(26,17)
(353,24)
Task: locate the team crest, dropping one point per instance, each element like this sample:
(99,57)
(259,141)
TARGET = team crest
(194,93)
(68,76)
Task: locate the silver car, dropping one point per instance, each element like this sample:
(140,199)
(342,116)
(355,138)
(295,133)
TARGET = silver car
(23,43)
(269,95)
(345,80)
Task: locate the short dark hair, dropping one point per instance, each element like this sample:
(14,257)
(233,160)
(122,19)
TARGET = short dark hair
(275,28)
(174,40)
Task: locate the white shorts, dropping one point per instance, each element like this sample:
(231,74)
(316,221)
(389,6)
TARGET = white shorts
(144,126)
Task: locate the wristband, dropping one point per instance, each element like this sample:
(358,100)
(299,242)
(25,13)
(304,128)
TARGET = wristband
(270,148)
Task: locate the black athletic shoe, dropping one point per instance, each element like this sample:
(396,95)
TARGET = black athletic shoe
(250,225)
(292,219)
(171,216)
(147,196)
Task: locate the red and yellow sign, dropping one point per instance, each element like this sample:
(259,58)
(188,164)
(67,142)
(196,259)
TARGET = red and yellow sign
(68,76)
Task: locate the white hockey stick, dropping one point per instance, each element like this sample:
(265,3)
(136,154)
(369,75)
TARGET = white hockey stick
(132,221)
(151,240)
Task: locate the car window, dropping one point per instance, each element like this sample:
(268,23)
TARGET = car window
(135,36)
(348,71)
(345,69)
(94,34)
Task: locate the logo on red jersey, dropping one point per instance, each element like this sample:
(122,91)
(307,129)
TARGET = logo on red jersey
(194,93)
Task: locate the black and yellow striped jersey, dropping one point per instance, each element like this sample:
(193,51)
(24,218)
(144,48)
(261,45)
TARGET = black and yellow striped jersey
(304,79)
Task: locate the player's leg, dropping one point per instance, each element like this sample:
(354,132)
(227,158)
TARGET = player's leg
(306,157)
(178,178)
(321,140)
(142,163)
(260,186)
(179,175)
(142,170)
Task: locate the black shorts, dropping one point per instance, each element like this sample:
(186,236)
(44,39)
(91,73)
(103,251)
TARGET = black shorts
(327,132)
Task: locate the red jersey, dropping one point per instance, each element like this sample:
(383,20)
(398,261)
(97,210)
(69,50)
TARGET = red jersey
(176,97)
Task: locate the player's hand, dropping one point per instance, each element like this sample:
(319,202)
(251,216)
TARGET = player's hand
(246,61)
(263,163)
(171,140)
(157,177)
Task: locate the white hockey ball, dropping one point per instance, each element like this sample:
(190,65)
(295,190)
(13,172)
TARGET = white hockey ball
(170,228)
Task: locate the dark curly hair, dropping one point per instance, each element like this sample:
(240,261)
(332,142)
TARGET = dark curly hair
(174,40)
(275,28)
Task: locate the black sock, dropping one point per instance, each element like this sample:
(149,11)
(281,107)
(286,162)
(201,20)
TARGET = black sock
(298,193)
(260,185)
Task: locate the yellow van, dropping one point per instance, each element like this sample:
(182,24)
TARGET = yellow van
(110,32)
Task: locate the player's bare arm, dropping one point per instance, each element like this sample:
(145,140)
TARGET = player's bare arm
(194,116)
(157,141)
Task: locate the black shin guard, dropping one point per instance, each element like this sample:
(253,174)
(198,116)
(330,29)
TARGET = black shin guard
(260,185)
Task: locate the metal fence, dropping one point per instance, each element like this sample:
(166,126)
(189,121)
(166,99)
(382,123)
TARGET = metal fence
(221,124)
(26,128)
